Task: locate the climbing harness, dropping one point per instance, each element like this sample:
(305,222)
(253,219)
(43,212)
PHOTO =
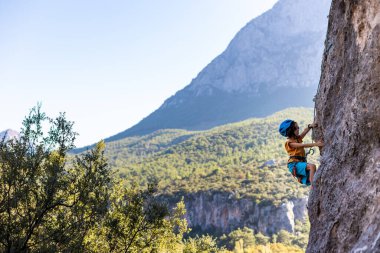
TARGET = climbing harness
(301,159)
(296,176)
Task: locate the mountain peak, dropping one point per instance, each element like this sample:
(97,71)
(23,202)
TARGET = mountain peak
(9,134)
(281,48)
(272,58)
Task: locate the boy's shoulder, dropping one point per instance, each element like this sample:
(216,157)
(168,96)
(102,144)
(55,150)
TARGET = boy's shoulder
(291,140)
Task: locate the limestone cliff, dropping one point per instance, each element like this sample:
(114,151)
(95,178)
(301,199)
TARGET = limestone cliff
(344,206)
(222,212)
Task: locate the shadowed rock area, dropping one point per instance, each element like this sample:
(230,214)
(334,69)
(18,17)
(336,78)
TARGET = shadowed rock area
(344,206)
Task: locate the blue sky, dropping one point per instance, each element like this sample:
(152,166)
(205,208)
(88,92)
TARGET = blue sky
(108,64)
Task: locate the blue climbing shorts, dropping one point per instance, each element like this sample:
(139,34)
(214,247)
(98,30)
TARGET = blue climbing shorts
(301,171)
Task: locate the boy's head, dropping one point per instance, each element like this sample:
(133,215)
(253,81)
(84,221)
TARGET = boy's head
(289,128)
(293,130)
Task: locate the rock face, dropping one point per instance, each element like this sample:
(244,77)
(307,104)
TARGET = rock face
(256,75)
(344,207)
(222,213)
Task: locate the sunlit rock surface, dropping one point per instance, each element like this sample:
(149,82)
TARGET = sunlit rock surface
(344,206)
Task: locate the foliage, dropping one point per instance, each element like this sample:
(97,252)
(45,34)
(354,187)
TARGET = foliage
(244,237)
(245,240)
(50,203)
(46,205)
(202,244)
(261,239)
(284,237)
(137,222)
(275,248)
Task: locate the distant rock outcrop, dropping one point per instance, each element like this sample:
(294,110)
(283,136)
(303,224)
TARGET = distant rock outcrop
(9,134)
(269,163)
(222,212)
(344,206)
(274,57)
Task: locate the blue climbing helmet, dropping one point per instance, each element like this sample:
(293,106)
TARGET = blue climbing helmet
(285,126)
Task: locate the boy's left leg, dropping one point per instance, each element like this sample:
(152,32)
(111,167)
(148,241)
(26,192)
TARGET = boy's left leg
(312,168)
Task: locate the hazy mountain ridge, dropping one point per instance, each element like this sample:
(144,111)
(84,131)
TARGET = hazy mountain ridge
(9,134)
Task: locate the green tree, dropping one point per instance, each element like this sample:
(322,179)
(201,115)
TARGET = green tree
(261,239)
(302,229)
(44,204)
(50,202)
(244,236)
(284,237)
(203,244)
(137,222)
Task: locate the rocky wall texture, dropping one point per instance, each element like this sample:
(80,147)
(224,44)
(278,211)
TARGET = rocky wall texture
(344,205)
(222,212)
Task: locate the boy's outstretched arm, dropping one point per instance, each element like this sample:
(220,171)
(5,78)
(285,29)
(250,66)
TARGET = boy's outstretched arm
(306,145)
(310,126)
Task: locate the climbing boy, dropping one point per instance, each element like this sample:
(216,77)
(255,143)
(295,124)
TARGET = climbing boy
(297,163)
